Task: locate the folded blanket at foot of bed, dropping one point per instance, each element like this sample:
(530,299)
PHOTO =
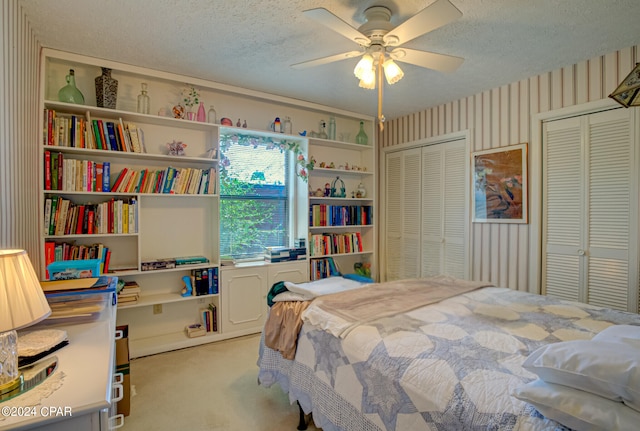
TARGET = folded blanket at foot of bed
(340,312)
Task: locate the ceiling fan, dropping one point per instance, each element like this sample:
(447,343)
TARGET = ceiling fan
(377,35)
(380,42)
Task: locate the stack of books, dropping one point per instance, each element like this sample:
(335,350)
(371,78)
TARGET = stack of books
(129,294)
(284,254)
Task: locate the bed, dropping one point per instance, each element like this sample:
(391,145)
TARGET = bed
(453,362)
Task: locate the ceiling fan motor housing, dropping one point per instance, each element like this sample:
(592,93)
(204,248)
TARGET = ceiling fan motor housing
(378,24)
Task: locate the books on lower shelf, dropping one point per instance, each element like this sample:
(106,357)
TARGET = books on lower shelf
(204,281)
(172,262)
(129,294)
(64,217)
(64,173)
(335,243)
(60,251)
(180,181)
(209,317)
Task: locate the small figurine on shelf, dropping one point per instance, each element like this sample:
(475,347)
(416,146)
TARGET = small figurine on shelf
(178,111)
(335,193)
(244,124)
(327,189)
(238,123)
(176,148)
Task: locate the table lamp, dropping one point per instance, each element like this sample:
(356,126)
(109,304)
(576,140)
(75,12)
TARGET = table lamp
(22,303)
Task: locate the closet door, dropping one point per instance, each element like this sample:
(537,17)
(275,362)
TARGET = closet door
(402,214)
(590,210)
(443,209)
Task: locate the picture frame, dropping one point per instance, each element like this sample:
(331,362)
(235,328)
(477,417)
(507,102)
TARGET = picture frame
(500,185)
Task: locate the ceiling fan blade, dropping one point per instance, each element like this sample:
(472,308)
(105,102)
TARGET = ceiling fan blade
(326,18)
(436,15)
(325,60)
(430,60)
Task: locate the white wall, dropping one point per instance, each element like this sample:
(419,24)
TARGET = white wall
(500,117)
(19,52)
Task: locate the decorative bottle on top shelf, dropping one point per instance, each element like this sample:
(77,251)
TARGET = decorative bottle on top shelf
(212,117)
(322,132)
(201,116)
(143,100)
(332,128)
(287,127)
(70,93)
(106,89)
(361,137)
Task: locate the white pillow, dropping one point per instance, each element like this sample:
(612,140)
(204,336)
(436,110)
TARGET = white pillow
(577,409)
(627,334)
(610,370)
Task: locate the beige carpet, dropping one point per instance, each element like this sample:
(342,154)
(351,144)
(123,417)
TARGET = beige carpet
(209,387)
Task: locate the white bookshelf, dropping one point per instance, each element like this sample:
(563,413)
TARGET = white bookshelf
(174,225)
(354,165)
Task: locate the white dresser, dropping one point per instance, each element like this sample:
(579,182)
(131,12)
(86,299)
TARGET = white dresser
(83,401)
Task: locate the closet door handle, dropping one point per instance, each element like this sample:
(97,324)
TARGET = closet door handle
(581,252)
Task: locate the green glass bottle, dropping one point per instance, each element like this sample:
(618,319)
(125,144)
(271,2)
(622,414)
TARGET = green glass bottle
(70,93)
(361,137)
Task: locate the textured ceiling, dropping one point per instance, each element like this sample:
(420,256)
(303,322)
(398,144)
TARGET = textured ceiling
(252,44)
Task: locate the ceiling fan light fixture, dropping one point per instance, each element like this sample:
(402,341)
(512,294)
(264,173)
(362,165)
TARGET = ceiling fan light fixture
(392,71)
(364,65)
(368,79)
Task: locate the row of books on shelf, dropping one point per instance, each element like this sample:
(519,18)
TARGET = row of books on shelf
(128,292)
(208,322)
(323,268)
(115,216)
(340,215)
(170,180)
(172,262)
(63,173)
(335,243)
(59,251)
(204,281)
(68,130)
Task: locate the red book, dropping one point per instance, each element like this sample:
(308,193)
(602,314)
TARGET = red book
(49,255)
(99,168)
(90,222)
(106,261)
(47,170)
(123,174)
(80,220)
(60,171)
(50,115)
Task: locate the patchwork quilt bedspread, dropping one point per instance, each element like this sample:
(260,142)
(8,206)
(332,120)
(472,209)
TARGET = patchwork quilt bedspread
(446,366)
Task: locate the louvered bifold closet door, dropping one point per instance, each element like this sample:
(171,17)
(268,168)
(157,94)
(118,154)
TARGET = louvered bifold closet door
(563,210)
(455,163)
(432,210)
(590,210)
(402,214)
(411,198)
(443,209)
(393,215)
(609,186)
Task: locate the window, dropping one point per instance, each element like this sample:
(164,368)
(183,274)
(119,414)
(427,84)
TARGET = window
(254,198)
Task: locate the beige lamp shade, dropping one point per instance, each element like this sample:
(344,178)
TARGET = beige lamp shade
(22,301)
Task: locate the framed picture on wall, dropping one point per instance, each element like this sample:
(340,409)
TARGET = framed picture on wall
(500,185)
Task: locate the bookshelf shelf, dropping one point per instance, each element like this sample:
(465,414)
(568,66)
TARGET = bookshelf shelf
(350,227)
(340,211)
(129,155)
(171,341)
(166,298)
